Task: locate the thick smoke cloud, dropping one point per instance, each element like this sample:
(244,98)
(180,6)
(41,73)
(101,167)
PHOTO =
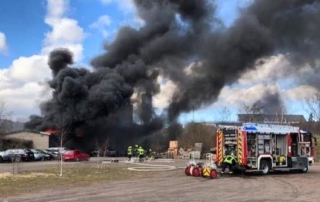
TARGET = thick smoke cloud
(270,103)
(87,103)
(295,31)
(178,33)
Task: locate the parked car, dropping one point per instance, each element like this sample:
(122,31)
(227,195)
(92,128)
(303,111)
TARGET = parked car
(20,154)
(99,152)
(48,155)
(4,157)
(54,154)
(75,155)
(40,156)
(112,153)
(57,151)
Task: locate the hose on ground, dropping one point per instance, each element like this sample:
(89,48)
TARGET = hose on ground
(144,167)
(154,167)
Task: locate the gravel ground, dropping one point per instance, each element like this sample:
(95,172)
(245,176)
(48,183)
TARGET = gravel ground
(175,186)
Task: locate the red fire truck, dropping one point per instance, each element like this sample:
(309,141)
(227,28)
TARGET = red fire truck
(266,147)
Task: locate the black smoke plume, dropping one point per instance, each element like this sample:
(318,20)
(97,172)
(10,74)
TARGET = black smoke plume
(177,33)
(88,106)
(270,103)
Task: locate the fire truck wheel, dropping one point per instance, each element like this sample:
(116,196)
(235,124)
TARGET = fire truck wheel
(265,167)
(196,172)
(213,174)
(187,171)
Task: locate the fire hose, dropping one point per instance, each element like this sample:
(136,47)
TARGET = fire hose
(154,167)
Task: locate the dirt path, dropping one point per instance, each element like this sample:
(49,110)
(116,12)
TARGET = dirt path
(175,186)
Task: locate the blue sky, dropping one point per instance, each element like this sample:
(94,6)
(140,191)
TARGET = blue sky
(32,28)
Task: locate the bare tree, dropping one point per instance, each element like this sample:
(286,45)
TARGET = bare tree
(98,150)
(198,133)
(251,112)
(16,158)
(102,147)
(224,115)
(5,116)
(63,130)
(313,106)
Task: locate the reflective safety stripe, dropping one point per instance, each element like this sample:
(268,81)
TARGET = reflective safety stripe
(220,147)
(240,147)
(229,159)
(206,172)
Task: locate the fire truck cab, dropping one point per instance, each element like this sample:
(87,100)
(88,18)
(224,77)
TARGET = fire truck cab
(266,147)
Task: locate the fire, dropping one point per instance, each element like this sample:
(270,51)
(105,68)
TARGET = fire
(50,131)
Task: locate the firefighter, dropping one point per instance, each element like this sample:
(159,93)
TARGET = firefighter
(150,153)
(141,153)
(129,152)
(229,161)
(135,152)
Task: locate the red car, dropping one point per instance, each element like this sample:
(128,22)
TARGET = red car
(75,155)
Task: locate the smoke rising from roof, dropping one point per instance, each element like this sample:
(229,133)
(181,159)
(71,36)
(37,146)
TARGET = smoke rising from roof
(271,103)
(177,33)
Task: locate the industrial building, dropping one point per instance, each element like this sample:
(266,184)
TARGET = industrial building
(29,139)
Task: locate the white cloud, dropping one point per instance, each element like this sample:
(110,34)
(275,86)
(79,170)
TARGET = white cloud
(300,93)
(55,10)
(162,100)
(233,97)
(129,11)
(101,24)
(266,71)
(237,95)
(22,97)
(65,31)
(21,82)
(3,43)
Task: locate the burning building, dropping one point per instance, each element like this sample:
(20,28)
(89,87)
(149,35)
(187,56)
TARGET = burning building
(176,33)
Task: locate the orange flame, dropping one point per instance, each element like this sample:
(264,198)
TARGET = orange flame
(51,131)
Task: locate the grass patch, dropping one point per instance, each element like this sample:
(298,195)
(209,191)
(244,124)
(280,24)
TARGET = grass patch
(80,175)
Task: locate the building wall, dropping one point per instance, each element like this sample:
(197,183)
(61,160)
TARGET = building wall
(40,141)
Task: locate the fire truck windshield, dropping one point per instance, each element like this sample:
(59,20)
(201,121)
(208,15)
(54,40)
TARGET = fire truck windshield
(307,137)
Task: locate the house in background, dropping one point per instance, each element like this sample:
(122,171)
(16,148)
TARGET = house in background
(291,119)
(25,139)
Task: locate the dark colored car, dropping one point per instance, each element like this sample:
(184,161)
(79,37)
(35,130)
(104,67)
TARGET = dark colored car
(99,153)
(48,155)
(112,153)
(20,154)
